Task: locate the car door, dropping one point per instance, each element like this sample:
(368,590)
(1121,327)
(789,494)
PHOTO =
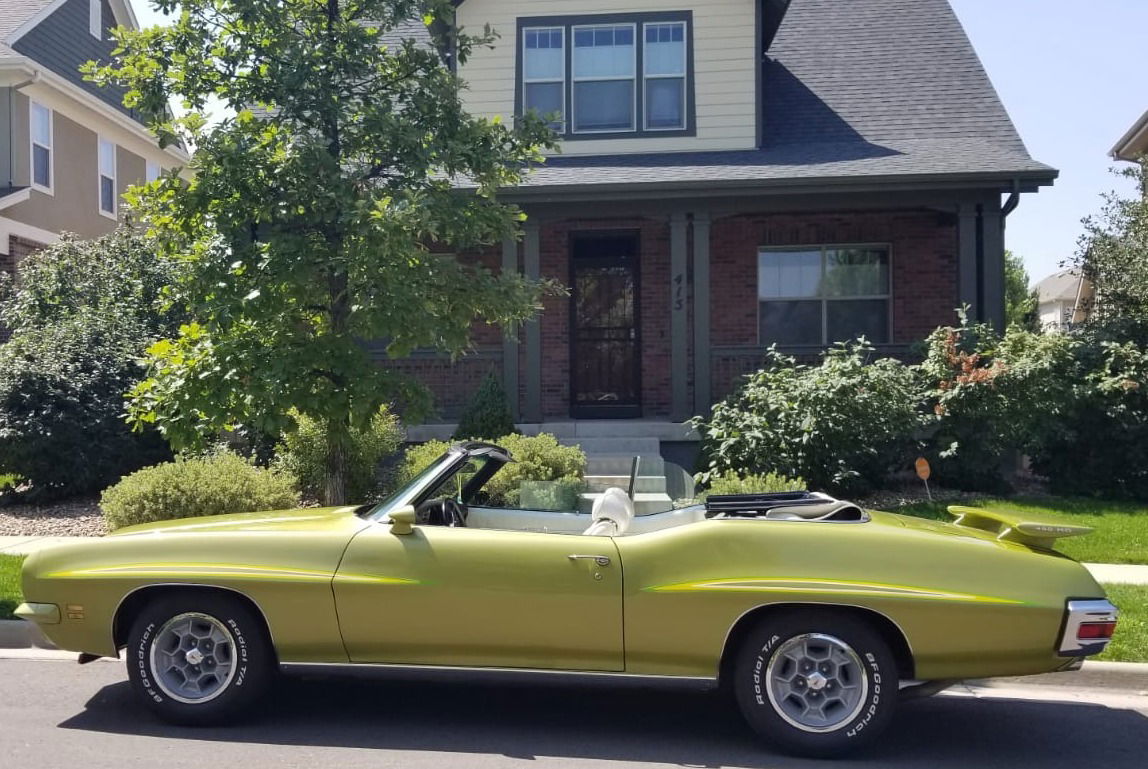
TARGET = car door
(481,598)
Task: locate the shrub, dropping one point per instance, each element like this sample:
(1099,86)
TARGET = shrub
(537,458)
(302,453)
(732,483)
(201,486)
(842,425)
(488,412)
(82,314)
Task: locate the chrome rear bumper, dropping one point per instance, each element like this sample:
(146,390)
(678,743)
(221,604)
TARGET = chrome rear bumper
(1078,613)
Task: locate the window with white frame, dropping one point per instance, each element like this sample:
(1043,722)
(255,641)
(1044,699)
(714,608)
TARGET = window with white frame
(40,133)
(665,76)
(608,75)
(544,73)
(152,171)
(107,189)
(605,60)
(815,296)
(95,18)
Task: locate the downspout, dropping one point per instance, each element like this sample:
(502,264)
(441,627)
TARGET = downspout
(1012,202)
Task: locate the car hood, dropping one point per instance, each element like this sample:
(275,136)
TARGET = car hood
(304,520)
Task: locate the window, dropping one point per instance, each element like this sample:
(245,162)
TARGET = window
(95,18)
(107,190)
(665,76)
(605,59)
(41,135)
(607,75)
(153,171)
(544,73)
(821,295)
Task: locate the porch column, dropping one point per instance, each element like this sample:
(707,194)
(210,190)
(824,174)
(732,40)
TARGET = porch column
(967,258)
(679,320)
(532,267)
(993,271)
(702,398)
(510,337)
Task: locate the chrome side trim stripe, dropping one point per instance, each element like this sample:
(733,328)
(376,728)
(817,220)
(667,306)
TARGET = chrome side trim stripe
(398,666)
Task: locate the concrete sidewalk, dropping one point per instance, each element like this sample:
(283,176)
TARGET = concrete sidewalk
(1127,574)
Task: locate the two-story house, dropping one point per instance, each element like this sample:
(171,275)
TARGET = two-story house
(734,174)
(68,150)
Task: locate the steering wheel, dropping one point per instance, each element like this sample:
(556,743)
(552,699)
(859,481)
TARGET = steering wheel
(454,514)
(442,512)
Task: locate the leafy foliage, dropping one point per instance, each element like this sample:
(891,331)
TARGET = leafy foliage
(1113,252)
(308,228)
(214,484)
(302,453)
(733,483)
(1021,301)
(82,314)
(841,425)
(488,412)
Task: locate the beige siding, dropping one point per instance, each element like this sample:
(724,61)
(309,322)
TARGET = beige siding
(724,63)
(73,205)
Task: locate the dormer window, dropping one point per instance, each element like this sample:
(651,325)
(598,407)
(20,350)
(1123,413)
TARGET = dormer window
(608,76)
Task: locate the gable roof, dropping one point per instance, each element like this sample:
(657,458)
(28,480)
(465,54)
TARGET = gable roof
(865,89)
(14,14)
(1063,286)
(1134,144)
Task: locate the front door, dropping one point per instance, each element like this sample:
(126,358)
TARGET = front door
(481,598)
(605,341)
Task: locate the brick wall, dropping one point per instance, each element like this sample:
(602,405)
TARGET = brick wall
(18,248)
(924,272)
(654,316)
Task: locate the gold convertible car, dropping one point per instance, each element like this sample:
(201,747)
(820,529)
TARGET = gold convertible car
(815,614)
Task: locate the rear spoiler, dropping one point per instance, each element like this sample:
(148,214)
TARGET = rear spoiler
(1023,528)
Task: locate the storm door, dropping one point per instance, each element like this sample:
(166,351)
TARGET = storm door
(605,339)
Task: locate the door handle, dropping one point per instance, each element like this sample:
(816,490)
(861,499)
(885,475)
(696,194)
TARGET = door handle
(601,560)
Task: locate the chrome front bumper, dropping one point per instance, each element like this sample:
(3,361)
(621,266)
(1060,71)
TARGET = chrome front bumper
(1078,613)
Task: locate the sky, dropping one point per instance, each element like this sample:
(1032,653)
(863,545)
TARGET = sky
(1072,76)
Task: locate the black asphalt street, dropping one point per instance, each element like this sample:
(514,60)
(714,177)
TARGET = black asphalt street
(58,714)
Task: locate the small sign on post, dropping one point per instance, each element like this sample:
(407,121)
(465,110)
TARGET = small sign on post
(923,472)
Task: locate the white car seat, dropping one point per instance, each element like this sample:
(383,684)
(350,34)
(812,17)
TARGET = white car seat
(612,514)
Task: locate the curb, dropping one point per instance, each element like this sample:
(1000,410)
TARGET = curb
(18,634)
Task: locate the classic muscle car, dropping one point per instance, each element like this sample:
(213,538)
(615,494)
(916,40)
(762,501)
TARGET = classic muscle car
(816,614)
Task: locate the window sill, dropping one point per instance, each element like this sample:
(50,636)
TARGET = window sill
(106,215)
(46,190)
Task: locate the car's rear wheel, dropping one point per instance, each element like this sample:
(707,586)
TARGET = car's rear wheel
(199,658)
(816,683)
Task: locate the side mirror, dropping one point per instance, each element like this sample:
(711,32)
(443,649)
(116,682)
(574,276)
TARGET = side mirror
(402,520)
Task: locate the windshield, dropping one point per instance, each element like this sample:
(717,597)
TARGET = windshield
(407,493)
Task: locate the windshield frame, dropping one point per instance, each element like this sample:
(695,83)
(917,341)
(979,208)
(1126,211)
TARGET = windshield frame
(427,478)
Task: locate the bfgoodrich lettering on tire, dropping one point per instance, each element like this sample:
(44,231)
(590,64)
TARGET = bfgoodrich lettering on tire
(816,682)
(199,658)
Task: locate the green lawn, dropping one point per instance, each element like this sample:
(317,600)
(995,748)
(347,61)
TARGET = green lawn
(1130,644)
(10,596)
(1121,534)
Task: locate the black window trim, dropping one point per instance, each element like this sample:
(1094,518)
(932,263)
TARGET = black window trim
(639,20)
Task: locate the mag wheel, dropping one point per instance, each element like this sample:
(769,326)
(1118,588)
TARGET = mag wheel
(199,658)
(816,683)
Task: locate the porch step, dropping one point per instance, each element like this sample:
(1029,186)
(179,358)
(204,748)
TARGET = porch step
(651,484)
(633,446)
(651,465)
(644,503)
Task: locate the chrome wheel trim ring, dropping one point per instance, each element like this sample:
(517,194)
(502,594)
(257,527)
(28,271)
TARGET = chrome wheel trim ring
(816,683)
(193,658)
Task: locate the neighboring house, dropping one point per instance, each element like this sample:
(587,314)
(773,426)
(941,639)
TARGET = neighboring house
(734,174)
(1133,145)
(1064,300)
(68,150)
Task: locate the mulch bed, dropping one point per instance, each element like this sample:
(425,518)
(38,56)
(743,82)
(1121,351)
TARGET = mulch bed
(70,518)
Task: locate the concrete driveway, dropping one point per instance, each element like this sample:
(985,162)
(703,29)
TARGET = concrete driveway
(58,714)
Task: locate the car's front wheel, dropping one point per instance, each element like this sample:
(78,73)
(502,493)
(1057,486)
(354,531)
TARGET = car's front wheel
(816,683)
(199,658)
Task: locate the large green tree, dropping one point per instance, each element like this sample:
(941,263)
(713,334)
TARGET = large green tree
(1113,252)
(321,213)
(1021,301)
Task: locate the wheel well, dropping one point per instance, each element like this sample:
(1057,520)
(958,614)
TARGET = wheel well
(135,602)
(888,629)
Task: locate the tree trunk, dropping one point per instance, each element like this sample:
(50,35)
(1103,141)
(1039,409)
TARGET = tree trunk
(335,483)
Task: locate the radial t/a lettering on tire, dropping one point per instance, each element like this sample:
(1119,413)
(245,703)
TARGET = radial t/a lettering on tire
(816,682)
(199,657)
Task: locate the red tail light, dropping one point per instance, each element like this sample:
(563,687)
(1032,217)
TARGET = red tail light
(1096,630)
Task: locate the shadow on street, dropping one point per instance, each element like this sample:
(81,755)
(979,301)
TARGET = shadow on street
(484,714)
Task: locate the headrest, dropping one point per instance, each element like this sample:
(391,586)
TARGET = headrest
(615,506)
